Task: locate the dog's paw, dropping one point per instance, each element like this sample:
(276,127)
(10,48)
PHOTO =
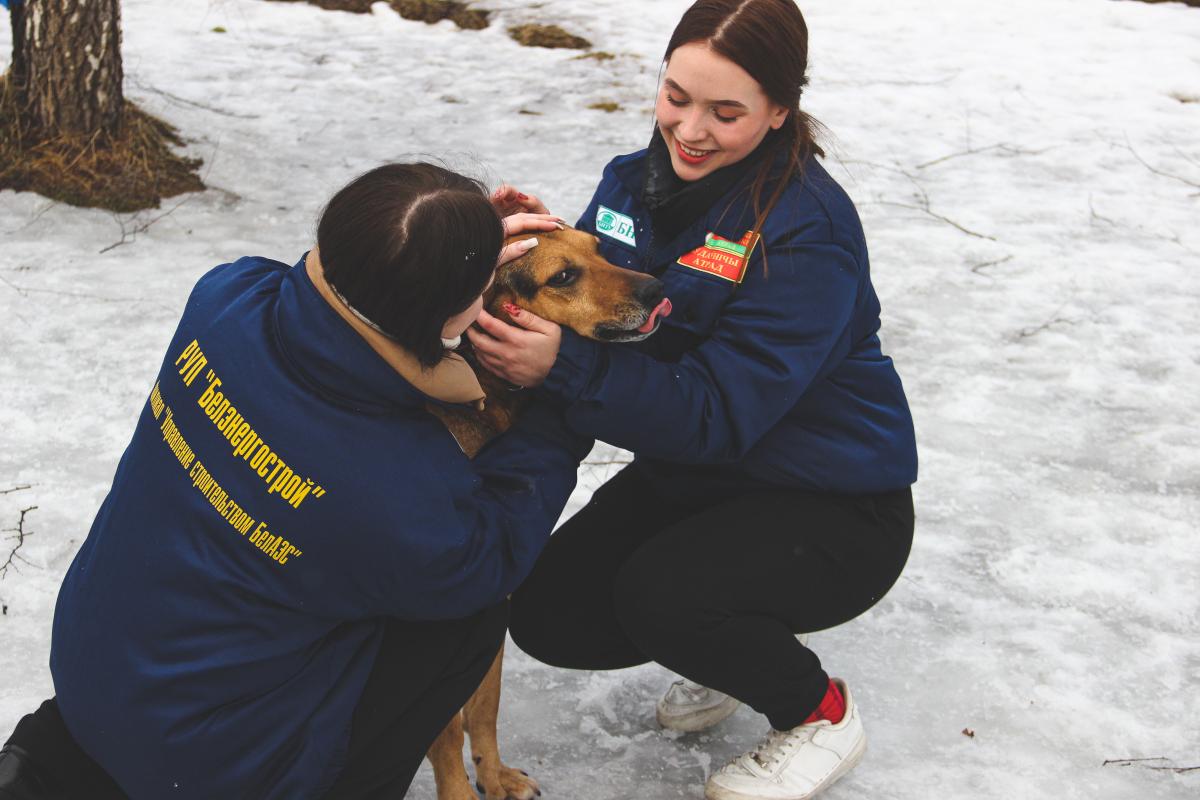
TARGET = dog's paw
(457,790)
(514,784)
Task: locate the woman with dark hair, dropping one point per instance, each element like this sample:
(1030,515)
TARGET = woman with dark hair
(774,450)
(297,577)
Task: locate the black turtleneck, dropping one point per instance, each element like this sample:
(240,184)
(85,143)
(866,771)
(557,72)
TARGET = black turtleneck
(674,203)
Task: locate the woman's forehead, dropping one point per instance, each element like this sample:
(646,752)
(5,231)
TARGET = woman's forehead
(707,75)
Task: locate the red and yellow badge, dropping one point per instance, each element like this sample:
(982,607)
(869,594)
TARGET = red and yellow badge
(722,257)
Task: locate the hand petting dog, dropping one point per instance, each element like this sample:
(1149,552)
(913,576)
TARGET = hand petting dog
(521,354)
(525,222)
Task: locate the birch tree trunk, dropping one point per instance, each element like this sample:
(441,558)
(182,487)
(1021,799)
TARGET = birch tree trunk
(66,67)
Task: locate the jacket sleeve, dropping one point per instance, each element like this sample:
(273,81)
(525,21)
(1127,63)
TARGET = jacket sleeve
(474,551)
(777,335)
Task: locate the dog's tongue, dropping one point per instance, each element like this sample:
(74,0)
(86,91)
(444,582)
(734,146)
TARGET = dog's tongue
(662,310)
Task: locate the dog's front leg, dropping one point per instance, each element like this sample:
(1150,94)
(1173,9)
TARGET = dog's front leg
(445,754)
(495,780)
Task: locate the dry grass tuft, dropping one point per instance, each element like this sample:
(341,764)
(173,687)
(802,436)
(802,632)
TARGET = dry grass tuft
(535,35)
(432,11)
(131,171)
(353,6)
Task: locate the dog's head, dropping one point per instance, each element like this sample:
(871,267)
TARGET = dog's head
(565,280)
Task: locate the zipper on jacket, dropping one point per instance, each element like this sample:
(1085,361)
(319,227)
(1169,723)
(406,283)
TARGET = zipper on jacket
(648,259)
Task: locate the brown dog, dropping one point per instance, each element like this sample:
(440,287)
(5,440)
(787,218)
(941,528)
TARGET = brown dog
(563,280)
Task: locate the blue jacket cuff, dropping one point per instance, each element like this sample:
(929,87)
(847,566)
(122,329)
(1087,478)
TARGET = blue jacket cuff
(573,368)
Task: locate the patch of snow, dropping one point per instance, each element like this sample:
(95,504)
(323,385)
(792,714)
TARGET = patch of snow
(1028,178)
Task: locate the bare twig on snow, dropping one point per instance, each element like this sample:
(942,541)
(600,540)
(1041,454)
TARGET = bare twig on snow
(924,204)
(194,104)
(1144,764)
(130,234)
(1002,146)
(1096,216)
(21,535)
(1159,172)
(979,268)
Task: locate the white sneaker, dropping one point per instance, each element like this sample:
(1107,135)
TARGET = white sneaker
(795,764)
(688,707)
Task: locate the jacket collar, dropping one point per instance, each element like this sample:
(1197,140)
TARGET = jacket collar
(674,205)
(347,361)
(630,172)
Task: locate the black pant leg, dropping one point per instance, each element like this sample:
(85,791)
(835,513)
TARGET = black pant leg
(718,597)
(563,613)
(66,769)
(424,673)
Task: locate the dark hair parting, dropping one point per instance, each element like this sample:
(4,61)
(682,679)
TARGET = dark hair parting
(408,246)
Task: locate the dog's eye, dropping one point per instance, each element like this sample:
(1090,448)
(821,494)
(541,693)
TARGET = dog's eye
(564,278)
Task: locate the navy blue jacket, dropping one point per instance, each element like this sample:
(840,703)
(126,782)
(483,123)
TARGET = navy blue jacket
(215,631)
(778,380)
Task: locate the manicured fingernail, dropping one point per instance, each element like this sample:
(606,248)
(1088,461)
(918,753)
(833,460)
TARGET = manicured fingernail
(529,244)
(521,196)
(509,308)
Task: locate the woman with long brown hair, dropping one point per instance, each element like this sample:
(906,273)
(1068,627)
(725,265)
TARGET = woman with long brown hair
(774,449)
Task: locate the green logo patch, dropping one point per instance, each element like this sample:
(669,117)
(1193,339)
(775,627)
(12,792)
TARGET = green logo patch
(616,225)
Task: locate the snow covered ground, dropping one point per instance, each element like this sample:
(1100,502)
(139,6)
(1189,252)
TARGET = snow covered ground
(1029,176)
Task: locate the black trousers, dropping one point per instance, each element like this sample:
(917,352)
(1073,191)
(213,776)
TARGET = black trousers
(713,591)
(424,673)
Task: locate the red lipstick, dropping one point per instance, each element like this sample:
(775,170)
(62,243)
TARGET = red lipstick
(690,159)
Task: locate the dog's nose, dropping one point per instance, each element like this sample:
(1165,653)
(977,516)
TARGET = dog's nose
(650,293)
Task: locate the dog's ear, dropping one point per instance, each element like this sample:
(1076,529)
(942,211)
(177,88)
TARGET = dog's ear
(513,282)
